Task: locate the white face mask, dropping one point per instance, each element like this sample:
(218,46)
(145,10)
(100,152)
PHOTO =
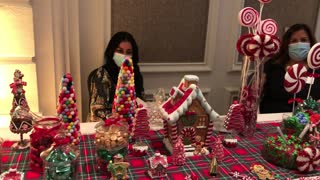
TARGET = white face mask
(119,58)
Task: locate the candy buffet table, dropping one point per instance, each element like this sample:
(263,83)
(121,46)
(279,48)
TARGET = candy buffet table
(236,159)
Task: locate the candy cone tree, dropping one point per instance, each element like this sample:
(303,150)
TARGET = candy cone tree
(124,103)
(178,154)
(141,123)
(67,110)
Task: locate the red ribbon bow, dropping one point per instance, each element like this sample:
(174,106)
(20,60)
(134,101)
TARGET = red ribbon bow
(109,121)
(315,75)
(298,100)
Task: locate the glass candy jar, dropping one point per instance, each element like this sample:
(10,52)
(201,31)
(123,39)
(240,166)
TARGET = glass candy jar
(44,130)
(112,138)
(60,160)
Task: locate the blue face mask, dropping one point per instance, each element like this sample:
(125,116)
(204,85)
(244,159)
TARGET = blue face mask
(119,58)
(299,51)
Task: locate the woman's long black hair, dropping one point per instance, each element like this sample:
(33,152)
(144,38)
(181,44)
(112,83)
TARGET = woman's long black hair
(113,69)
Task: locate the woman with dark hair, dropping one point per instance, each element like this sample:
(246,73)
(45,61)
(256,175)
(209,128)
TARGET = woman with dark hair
(295,45)
(102,81)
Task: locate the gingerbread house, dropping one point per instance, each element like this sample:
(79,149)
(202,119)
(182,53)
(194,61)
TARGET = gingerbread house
(157,165)
(186,113)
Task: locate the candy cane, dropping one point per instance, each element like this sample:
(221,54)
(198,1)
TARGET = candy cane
(209,133)
(189,132)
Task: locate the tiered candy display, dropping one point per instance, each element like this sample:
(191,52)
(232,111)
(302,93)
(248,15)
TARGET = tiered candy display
(140,130)
(44,130)
(60,160)
(124,103)
(67,109)
(141,123)
(256,46)
(234,119)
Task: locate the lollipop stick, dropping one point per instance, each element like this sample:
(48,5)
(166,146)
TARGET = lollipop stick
(294,102)
(281,134)
(311,83)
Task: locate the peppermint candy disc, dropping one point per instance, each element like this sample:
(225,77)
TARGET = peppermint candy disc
(268,26)
(242,44)
(248,17)
(264,1)
(308,159)
(314,57)
(295,78)
(276,43)
(261,45)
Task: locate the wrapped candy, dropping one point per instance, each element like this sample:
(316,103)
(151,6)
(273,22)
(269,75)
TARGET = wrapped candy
(60,160)
(44,130)
(112,138)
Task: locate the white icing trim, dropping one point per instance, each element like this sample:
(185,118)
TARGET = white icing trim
(190,77)
(231,140)
(140,148)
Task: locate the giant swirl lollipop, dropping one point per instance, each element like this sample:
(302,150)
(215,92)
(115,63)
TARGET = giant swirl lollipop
(295,79)
(313,61)
(248,17)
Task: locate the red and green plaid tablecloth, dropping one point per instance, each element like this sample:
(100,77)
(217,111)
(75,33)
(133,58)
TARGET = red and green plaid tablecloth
(236,159)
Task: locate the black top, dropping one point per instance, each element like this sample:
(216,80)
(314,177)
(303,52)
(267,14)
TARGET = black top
(101,87)
(275,97)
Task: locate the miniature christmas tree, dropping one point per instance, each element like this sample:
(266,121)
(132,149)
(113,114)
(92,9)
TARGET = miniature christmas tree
(234,119)
(218,149)
(67,110)
(141,123)
(178,154)
(124,102)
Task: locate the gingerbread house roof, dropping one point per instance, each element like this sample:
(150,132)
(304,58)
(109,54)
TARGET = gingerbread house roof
(157,159)
(172,112)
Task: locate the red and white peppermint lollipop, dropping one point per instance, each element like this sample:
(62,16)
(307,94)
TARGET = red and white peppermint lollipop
(242,44)
(276,43)
(248,17)
(314,57)
(308,159)
(265,1)
(268,26)
(261,45)
(295,78)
